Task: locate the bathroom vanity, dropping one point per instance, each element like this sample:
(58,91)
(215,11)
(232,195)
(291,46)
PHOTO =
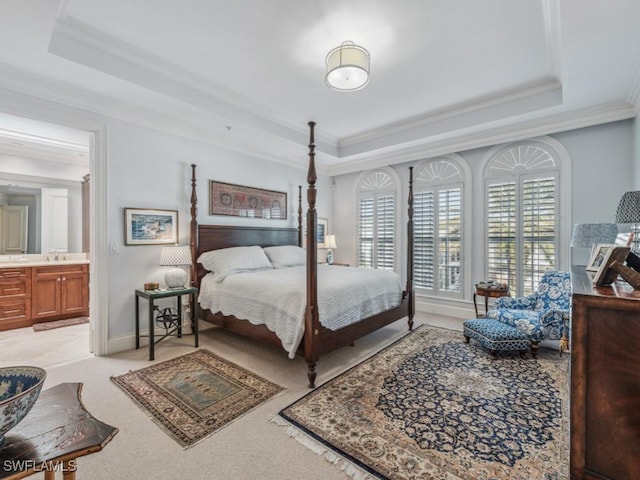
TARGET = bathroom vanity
(42,290)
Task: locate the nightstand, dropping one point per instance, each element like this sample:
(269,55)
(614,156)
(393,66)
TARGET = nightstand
(152,296)
(336,264)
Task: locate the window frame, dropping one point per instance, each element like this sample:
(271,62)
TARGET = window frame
(368,185)
(521,173)
(432,176)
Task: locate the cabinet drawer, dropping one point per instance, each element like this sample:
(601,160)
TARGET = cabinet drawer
(14,309)
(13,274)
(59,269)
(19,288)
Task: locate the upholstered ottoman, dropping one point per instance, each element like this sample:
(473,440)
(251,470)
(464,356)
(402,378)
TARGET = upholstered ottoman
(495,336)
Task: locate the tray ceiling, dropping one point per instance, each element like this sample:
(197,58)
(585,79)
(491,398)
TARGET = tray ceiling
(249,74)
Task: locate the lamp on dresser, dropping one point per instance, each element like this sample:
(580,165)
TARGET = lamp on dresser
(175,256)
(589,235)
(629,212)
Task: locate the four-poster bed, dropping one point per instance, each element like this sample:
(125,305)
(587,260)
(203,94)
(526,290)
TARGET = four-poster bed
(316,337)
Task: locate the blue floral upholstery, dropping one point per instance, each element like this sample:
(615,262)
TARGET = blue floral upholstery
(541,315)
(495,336)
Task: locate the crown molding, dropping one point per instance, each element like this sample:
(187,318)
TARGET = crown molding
(87,46)
(201,127)
(519,100)
(485,136)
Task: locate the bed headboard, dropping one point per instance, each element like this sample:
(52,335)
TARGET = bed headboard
(215,237)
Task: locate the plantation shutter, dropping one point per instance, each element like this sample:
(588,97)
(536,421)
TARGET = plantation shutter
(539,227)
(366,232)
(377,192)
(522,225)
(438,223)
(424,226)
(449,239)
(501,239)
(385,254)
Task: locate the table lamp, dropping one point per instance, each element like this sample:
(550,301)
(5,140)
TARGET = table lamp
(175,256)
(629,212)
(330,243)
(589,235)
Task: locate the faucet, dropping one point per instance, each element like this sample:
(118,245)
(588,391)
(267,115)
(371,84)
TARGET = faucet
(55,252)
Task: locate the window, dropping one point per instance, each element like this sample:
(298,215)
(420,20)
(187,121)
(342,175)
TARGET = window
(522,207)
(377,219)
(438,226)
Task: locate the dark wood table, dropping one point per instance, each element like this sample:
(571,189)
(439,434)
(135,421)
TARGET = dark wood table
(56,431)
(487,293)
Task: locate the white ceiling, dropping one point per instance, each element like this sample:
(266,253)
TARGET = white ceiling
(446,75)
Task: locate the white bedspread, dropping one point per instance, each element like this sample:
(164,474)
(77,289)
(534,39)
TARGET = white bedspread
(277,298)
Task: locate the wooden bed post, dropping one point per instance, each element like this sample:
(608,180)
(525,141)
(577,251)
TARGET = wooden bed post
(300,216)
(311,320)
(193,228)
(409,288)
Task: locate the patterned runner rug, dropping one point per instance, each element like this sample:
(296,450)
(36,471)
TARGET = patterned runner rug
(432,407)
(43,326)
(194,395)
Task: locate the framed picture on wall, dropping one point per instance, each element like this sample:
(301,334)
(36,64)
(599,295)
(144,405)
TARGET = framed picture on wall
(322,231)
(242,201)
(150,226)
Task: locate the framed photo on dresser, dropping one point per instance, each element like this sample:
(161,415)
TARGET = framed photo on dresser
(606,275)
(598,255)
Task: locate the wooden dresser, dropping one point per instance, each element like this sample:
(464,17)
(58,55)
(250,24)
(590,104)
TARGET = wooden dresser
(605,380)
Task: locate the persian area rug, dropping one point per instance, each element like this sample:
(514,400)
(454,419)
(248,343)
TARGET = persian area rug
(194,395)
(432,407)
(42,326)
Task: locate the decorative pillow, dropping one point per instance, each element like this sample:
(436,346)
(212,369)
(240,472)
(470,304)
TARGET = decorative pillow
(286,256)
(227,261)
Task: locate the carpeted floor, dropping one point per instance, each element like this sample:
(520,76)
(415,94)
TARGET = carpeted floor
(194,395)
(433,407)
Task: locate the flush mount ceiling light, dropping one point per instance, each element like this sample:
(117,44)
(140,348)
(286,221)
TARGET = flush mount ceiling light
(347,67)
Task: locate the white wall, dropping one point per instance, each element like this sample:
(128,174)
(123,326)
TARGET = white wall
(151,169)
(602,167)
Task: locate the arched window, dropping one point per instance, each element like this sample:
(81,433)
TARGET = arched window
(523,201)
(377,193)
(439,192)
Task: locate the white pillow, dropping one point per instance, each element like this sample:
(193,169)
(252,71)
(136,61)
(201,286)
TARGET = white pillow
(286,256)
(227,261)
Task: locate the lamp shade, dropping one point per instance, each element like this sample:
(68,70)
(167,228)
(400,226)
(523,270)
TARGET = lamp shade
(347,67)
(587,235)
(175,255)
(330,242)
(629,208)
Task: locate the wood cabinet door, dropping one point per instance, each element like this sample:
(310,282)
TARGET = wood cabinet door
(75,293)
(46,301)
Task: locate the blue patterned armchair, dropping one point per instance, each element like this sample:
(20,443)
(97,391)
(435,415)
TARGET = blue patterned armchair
(543,315)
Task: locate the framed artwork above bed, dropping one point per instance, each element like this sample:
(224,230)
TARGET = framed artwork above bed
(242,201)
